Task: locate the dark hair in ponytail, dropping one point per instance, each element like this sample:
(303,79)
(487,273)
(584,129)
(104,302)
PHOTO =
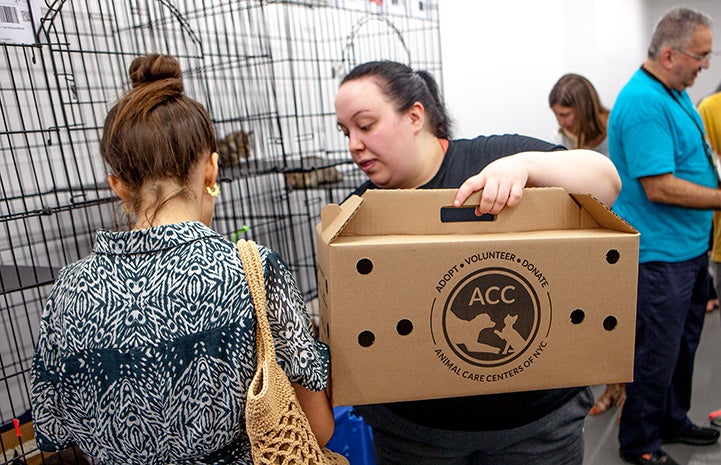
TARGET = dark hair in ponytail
(155,131)
(405,87)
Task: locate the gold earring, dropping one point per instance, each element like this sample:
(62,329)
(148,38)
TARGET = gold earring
(127,209)
(213,190)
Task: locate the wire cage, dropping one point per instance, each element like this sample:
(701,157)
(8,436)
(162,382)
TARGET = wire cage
(267,71)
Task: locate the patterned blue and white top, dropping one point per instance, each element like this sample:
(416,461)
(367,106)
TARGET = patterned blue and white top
(147,347)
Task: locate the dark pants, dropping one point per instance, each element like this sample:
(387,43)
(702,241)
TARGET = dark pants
(555,439)
(671,308)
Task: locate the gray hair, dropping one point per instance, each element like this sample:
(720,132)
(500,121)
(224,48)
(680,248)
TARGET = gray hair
(676,29)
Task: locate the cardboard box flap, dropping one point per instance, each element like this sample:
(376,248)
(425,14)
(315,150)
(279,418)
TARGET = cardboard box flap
(603,215)
(422,212)
(333,218)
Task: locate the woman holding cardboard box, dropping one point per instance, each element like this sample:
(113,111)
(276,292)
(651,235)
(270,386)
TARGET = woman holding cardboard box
(399,134)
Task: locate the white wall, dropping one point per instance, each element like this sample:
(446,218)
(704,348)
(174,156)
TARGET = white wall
(501,58)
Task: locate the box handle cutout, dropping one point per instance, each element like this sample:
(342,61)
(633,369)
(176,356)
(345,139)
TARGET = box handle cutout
(404,327)
(577,316)
(613,256)
(364,266)
(610,323)
(366,338)
(463,215)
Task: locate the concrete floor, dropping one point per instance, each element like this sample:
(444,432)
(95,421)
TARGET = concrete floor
(601,433)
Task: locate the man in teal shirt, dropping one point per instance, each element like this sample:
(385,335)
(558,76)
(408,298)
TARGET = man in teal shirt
(657,142)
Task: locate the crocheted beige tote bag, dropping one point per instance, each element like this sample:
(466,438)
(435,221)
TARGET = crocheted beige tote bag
(278,429)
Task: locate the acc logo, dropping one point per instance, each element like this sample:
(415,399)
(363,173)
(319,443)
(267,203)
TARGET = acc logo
(491,317)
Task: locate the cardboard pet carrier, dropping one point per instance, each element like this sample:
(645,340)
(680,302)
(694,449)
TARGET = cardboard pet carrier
(422,300)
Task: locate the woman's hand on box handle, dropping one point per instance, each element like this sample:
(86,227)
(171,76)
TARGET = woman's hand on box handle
(577,171)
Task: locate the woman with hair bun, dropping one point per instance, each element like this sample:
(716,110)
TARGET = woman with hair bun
(147,346)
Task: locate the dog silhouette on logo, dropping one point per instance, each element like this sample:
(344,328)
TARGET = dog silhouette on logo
(510,335)
(466,332)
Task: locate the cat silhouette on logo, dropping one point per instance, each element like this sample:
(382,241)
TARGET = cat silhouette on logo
(465,333)
(510,335)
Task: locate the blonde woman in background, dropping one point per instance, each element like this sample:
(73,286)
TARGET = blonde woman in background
(582,121)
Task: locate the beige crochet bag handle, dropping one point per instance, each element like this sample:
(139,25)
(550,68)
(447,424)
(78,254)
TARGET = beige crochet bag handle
(278,429)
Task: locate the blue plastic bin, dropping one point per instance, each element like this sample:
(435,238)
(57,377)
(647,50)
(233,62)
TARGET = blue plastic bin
(352,437)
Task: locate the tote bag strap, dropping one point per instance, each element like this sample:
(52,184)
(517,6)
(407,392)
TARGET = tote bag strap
(253,268)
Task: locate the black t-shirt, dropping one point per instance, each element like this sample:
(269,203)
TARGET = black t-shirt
(465,158)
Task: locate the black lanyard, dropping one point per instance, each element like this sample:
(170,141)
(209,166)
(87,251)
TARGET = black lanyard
(706,148)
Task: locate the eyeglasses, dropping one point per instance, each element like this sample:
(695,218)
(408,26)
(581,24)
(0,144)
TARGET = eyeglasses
(705,58)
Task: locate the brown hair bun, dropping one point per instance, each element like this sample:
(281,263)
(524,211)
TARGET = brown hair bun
(154,67)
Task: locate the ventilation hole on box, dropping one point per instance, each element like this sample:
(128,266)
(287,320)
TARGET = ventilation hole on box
(364,266)
(404,327)
(366,338)
(610,323)
(612,256)
(577,316)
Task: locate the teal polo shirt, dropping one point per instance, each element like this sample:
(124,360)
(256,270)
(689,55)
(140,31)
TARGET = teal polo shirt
(653,130)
